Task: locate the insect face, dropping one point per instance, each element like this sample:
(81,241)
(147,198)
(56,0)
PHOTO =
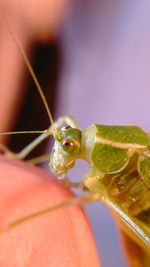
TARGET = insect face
(65,151)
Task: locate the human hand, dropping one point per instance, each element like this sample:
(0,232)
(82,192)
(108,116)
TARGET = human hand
(61,238)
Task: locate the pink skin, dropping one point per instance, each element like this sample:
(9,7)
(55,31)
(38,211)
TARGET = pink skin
(61,238)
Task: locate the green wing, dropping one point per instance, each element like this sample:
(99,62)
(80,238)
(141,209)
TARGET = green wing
(135,228)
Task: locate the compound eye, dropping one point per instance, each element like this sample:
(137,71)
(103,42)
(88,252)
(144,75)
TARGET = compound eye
(65,127)
(67,144)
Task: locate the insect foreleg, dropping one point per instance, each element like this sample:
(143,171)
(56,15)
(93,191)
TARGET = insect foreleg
(26,151)
(40,159)
(66,181)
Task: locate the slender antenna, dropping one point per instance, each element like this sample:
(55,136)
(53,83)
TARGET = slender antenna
(22,132)
(28,64)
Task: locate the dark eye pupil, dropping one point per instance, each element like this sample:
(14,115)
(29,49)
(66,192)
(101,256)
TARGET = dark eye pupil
(67,144)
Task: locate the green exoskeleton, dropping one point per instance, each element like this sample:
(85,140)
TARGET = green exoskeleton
(119,174)
(119,160)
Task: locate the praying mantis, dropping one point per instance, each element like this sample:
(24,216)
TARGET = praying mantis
(119,160)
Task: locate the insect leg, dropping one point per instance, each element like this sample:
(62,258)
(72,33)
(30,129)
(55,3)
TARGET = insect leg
(26,151)
(30,147)
(40,159)
(74,201)
(66,181)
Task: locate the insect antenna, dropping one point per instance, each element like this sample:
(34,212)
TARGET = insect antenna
(32,73)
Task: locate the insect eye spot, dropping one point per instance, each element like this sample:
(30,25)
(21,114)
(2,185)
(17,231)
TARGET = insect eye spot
(67,144)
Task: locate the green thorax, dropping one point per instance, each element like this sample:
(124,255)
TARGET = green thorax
(132,135)
(108,148)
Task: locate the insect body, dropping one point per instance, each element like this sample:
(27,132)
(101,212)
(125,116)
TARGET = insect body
(119,160)
(107,148)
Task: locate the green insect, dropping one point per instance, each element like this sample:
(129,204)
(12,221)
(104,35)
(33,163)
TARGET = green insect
(119,174)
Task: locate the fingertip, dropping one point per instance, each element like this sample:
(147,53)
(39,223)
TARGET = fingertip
(57,239)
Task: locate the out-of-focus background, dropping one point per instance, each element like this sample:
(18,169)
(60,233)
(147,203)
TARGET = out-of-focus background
(93,57)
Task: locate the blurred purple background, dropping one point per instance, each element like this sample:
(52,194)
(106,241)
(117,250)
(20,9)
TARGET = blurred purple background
(105,79)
